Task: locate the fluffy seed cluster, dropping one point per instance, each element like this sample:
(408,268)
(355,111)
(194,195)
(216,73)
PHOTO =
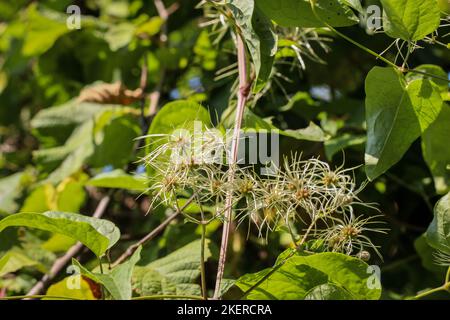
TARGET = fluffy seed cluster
(299,192)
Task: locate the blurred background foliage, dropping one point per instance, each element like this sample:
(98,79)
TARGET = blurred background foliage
(51,145)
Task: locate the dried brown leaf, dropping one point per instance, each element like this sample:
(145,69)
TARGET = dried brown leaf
(110,93)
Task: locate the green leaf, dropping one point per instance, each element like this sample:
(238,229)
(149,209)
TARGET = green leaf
(75,159)
(303,105)
(98,130)
(311,133)
(43,29)
(328,291)
(120,35)
(11,188)
(298,13)
(178,114)
(258,34)
(69,114)
(250,121)
(120,180)
(176,273)
(438,232)
(226,285)
(118,281)
(350,273)
(291,282)
(434,139)
(206,53)
(68,196)
(15,260)
(339,143)
(96,234)
(355,4)
(79,138)
(150,27)
(425,71)
(37,200)
(396,113)
(300,274)
(61,289)
(410,20)
(114,127)
(58,243)
(428,255)
(436,151)
(426,100)
(175,115)
(253,123)
(71,125)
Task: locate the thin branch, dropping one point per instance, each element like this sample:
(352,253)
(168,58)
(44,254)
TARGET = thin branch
(444,287)
(156,94)
(142,86)
(243,93)
(428,292)
(61,262)
(144,76)
(131,249)
(164,14)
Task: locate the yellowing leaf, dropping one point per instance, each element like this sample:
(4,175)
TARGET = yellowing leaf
(68,288)
(118,280)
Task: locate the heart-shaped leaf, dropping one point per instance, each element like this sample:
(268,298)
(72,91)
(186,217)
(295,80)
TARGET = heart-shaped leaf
(410,20)
(396,114)
(438,232)
(299,277)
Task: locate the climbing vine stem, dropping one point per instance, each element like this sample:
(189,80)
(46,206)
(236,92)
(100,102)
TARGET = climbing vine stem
(444,287)
(242,97)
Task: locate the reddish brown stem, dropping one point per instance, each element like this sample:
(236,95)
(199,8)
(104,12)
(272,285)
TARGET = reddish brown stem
(242,97)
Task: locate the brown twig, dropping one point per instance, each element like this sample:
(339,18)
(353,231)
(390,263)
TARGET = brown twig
(131,249)
(142,86)
(243,94)
(164,13)
(61,262)
(156,94)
